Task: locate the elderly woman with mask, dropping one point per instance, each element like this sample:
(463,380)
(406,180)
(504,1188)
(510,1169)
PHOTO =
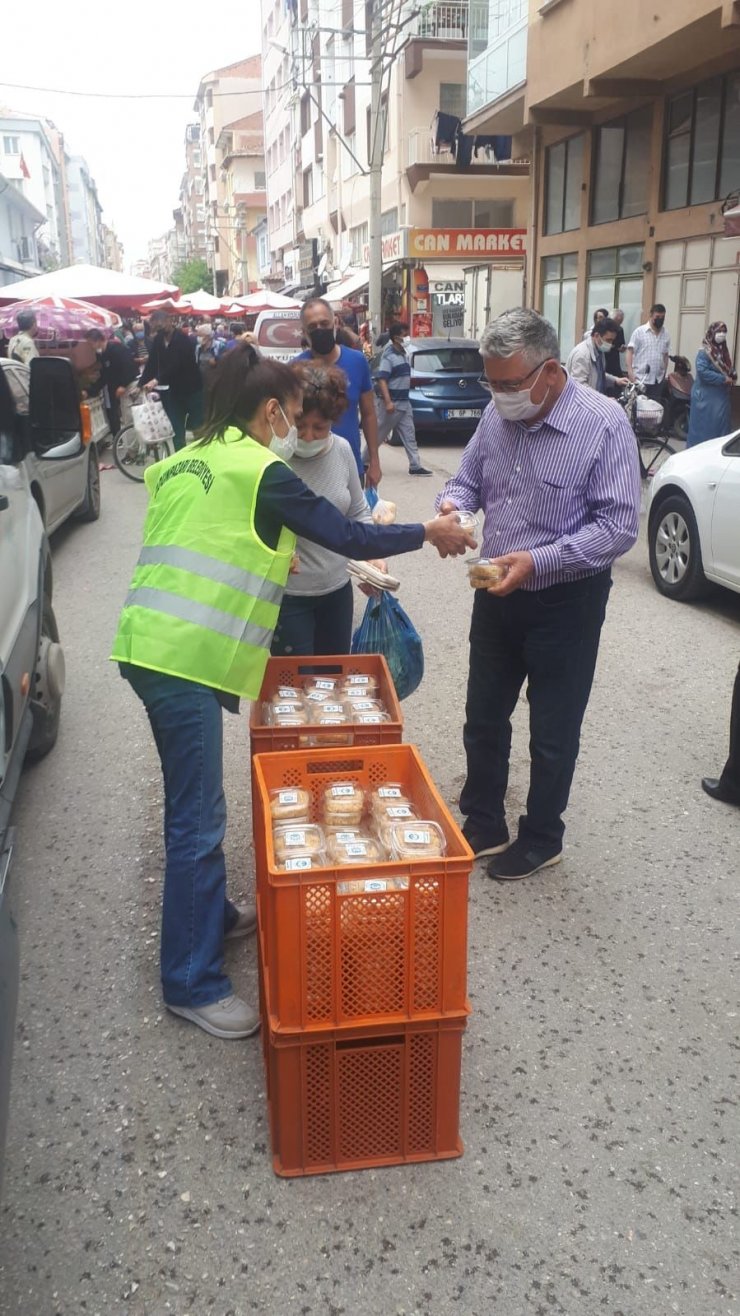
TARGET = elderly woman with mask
(709,417)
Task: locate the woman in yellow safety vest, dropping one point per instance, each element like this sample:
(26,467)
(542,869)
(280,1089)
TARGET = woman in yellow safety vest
(195,634)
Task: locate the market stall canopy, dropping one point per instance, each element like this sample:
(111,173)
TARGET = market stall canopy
(264,300)
(89,283)
(352,283)
(59,318)
(195,303)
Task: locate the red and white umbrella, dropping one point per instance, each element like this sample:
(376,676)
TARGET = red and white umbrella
(193,303)
(89,283)
(59,318)
(264,300)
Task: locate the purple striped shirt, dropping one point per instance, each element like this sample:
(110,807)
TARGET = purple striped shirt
(566,489)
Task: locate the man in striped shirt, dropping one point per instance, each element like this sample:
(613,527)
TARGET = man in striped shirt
(393,380)
(554,467)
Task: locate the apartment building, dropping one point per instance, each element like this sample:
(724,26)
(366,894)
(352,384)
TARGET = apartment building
(20,221)
(112,249)
(224,97)
(192,197)
(632,122)
(31,156)
(240,147)
(449,203)
(84,213)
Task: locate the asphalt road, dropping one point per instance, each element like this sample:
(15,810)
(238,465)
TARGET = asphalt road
(600,1077)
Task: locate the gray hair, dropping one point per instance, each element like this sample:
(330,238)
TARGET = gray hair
(520,330)
(25,320)
(617,311)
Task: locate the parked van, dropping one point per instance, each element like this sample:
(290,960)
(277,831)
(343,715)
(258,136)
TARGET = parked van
(279,334)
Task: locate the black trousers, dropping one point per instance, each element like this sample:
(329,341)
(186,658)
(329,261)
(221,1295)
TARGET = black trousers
(550,639)
(730,778)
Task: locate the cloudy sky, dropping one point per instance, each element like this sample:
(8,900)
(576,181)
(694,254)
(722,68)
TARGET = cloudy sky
(134,146)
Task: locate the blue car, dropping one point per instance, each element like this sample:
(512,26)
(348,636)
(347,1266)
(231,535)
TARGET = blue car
(447,397)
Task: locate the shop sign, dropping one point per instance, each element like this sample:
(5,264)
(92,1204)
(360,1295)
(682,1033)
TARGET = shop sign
(451,293)
(392,247)
(454,243)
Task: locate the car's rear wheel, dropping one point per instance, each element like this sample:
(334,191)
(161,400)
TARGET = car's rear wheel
(89,509)
(675,551)
(47,688)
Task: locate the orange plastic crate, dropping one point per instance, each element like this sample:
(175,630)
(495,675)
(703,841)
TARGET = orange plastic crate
(348,945)
(291,671)
(362,1098)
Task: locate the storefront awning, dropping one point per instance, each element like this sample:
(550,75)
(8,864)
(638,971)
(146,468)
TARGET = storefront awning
(351,283)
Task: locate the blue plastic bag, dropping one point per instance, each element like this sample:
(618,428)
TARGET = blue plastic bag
(386,629)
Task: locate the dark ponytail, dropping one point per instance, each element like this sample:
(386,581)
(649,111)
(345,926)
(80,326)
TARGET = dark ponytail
(241,382)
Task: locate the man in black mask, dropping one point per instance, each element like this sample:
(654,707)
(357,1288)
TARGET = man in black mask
(317,320)
(648,351)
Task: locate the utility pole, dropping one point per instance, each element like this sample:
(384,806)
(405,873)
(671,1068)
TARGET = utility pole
(377,144)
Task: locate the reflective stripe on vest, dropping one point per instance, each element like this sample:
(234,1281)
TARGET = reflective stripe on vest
(223,573)
(212,619)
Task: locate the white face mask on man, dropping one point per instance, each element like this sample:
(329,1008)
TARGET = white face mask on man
(284,447)
(519,406)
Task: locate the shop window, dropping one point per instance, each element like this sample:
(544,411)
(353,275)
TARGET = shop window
(615,279)
(559,289)
(563,183)
(621,162)
(702,143)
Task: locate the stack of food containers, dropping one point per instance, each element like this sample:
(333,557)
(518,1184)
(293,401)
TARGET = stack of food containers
(362,879)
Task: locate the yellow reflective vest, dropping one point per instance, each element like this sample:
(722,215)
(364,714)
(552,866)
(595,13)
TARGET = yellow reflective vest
(206,593)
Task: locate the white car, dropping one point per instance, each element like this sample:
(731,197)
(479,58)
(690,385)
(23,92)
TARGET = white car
(694,519)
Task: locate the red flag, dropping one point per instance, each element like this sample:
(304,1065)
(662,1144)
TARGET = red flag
(24,168)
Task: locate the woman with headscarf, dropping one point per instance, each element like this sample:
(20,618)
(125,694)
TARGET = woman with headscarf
(709,416)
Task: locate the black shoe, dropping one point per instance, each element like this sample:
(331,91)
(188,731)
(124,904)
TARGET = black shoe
(714,787)
(487,843)
(522,860)
(419,470)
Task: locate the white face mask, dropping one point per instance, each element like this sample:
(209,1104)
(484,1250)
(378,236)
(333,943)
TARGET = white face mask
(519,406)
(604,347)
(286,446)
(720,338)
(308,448)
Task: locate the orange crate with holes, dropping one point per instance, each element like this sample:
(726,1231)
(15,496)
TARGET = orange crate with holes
(360,945)
(292,671)
(357,1099)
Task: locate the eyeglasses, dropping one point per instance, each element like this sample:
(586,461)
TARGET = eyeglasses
(510,385)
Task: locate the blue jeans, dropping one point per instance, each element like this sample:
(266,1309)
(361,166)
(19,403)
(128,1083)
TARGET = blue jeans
(187,722)
(315,623)
(550,638)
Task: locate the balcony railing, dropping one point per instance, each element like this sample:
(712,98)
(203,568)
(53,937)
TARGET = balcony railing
(441,21)
(420,151)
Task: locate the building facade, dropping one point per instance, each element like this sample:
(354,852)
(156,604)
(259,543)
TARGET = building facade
(633,128)
(112,249)
(20,222)
(85,213)
(241,152)
(31,157)
(224,97)
(449,204)
(192,197)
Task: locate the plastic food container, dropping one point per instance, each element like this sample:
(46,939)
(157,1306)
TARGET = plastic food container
(330,712)
(391,794)
(290,805)
(301,861)
(482,572)
(416,840)
(359,684)
(384,512)
(287,694)
(325,686)
(297,839)
(469,521)
(365,850)
(343,802)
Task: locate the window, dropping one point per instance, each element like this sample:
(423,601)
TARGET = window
(260,180)
(469,213)
(305,114)
(359,238)
(559,287)
(11,146)
(702,146)
(563,184)
(615,279)
(308,186)
(621,164)
(389,222)
(452,98)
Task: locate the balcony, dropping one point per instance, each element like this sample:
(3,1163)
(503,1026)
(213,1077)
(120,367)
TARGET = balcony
(434,26)
(421,162)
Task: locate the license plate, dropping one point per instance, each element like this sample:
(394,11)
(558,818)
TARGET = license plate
(463,413)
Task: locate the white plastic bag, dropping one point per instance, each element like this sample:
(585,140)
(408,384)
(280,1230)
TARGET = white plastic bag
(384,512)
(151,421)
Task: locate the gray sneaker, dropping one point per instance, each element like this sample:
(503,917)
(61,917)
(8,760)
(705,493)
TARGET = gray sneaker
(245,924)
(229,1017)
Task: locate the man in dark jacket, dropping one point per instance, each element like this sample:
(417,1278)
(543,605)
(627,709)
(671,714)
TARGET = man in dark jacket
(118,370)
(172,362)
